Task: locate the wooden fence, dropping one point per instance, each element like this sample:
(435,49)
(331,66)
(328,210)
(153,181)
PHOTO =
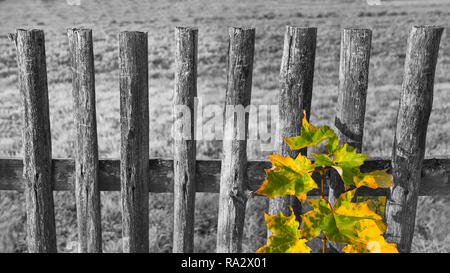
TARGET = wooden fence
(233,177)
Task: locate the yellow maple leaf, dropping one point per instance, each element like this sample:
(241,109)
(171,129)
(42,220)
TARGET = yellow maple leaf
(288,177)
(286,237)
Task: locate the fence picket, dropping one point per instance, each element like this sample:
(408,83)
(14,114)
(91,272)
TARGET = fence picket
(233,181)
(134,150)
(184,150)
(41,234)
(408,152)
(296,85)
(87,193)
(351,105)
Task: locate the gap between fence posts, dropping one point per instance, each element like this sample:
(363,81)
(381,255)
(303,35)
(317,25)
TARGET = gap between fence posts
(233,180)
(41,231)
(184,150)
(87,193)
(134,150)
(415,106)
(296,85)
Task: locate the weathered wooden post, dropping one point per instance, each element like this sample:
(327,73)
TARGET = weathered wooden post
(134,150)
(233,183)
(296,85)
(86,155)
(37,148)
(184,150)
(351,105)
(409,144)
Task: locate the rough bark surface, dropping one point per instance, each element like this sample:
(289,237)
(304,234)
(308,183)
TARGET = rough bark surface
(410,135)
(37,171)
(233,181)
(351,104)
(296,84)
(86,147)
(184,144)
(134,150)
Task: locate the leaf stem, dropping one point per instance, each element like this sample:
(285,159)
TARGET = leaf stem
(322,174)
(324,244)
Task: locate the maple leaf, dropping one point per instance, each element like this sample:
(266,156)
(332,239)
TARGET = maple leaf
(346,156)
(288,177)
(375,203)
(346,223)
(375,179)
(286,237)
(322,160)
(332,144)
(310,136)
(346,161)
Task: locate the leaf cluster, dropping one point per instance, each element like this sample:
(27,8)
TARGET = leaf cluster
(355,222)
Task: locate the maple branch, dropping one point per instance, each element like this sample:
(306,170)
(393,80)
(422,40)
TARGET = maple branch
(322,174)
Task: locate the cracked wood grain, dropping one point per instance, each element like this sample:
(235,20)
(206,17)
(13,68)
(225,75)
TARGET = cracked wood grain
(134,149)
(233,180)
(410,135)
(351,105)
(87,193)
(184,150)
(37,162)
(296,85)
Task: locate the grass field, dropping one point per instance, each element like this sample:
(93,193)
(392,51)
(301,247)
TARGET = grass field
(390,24)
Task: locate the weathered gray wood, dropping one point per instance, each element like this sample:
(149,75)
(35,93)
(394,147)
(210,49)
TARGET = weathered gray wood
(435,174)
(414,111)
(87,193)
(352,93)
(184,144)
(233,182)
(134,150)
(41,235)
(296,84)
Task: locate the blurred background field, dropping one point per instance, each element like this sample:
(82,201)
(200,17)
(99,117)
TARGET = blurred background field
(390,23)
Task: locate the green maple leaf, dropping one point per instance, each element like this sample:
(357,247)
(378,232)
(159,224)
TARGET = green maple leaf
(322,160)
(346,161)
(286,237)
(311,136)
(332,144)
(288,177)
(346,156)
(350,223)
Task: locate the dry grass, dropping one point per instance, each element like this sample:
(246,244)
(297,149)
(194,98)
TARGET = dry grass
(390,28)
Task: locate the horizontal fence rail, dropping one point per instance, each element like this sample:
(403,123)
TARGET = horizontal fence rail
(435,175)
(234,177)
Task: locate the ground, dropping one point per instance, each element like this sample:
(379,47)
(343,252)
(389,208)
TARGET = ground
(390,23)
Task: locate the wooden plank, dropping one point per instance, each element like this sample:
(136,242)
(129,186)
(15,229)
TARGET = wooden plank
(134,150)
(184,150)
(434,182)
(233,183)
(414,111)
(87,193)
(296,85)
(351,105)
(37,148)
